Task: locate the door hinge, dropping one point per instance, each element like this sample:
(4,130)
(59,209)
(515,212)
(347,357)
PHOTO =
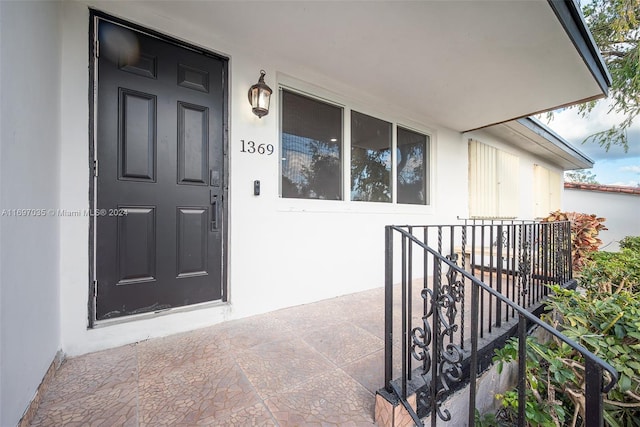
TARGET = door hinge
(97,48)
(95,167)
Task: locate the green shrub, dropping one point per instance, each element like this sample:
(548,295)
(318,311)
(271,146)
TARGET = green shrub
(614,271)
(606,320)
(631,243)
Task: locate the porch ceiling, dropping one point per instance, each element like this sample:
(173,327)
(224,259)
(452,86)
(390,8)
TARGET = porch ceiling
(460,64)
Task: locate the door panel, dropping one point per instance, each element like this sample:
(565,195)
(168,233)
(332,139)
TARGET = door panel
(136,248)
(159,143)
(193,144)
(137,136)
(192,241)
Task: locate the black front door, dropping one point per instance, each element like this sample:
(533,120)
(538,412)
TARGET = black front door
(159,185)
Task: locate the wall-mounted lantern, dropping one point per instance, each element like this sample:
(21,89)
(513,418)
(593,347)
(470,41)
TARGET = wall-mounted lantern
(259,96)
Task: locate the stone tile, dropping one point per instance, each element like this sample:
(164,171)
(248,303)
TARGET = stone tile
(344,343)
(306,319)
(333,398)
(369,371)
(243,334)
(257,415)
(163,354)
(78,377)
(104,407)
(371,321)
(220,375)
(185,394)
(277,366)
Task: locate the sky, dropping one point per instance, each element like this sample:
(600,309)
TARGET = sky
(614,167)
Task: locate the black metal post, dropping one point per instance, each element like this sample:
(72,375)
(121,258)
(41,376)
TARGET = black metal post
(593,394)
(388,307)
(522,370)
(482,247)
(473,368)
(409,300)
(405,353)
(499,277)
(435,334)
(464,280)
(490,271)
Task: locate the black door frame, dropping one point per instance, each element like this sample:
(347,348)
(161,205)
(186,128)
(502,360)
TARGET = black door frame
(94,17)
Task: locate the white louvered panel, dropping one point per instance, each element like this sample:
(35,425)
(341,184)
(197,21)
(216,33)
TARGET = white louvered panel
(555,188)
(508,174)
(482,180)
(473,177)
(494,182)
(541,191)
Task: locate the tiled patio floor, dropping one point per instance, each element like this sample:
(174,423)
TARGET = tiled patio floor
(311,365)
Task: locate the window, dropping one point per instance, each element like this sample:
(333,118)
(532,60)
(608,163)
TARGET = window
(412,167)
(311,148)
(384,157)
(547,186)
(493,182)
(370,158)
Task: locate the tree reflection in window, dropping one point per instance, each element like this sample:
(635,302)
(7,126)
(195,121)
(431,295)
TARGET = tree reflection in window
(311,148)
(412,163)
(370,158)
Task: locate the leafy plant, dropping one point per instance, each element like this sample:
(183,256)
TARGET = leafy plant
(584,234)
(608,324)
(581,176)
(543,408)
(612,272)
(488,420)
(614,26)
(631,243)
(605,318)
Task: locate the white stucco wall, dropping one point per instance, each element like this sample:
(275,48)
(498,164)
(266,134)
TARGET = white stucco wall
(619,209)
(29,157)
(282,252)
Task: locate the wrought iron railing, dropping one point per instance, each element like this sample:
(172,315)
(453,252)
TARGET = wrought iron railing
(444,336)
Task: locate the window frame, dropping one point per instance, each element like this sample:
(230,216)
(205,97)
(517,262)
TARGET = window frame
(428,167)
(343,150)
(391,157)
(290,84)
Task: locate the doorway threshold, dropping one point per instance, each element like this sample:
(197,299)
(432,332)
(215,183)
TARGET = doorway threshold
(159,313)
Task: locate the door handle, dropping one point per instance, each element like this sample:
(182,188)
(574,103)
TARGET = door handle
(214,211)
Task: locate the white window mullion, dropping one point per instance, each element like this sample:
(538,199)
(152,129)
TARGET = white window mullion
(346,155)
(393,179)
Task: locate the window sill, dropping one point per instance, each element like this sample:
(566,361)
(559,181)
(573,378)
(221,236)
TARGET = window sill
(350,207)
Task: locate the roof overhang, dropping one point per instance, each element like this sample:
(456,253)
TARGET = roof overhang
(534,137)
(459,64)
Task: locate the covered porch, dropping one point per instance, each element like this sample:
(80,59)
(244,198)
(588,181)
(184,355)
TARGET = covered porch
(314,364)
(444,70)
(323,363)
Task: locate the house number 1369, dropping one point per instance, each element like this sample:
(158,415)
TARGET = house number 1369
(252,148)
